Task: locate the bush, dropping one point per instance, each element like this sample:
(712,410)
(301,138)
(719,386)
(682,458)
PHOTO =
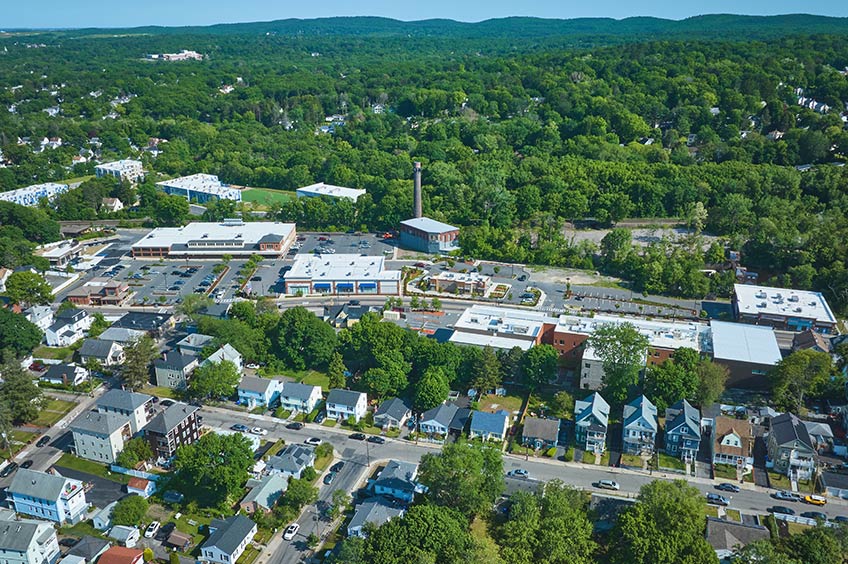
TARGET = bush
(148,554)
(324,449)
(130,511)
(309,474)
(569,455)
(551,452)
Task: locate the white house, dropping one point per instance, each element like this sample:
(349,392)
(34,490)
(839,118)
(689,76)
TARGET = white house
(226,352)
(27,541)
(69,327)
(64,375)
(292,461)
(397,480)
(301,398)
(138,407)
(102,520)
(489,426)
(343,404)
(47,496)
(254,391)
(125,536)
(107,353)
(40,316)
(100,436)
(228,539)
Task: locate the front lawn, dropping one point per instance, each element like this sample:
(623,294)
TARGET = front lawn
(81,529)
(631,460)
(781,482)
(589,458)
(733,515)
(18,440)
(161,392)
(666,461)
(89,467)
(322,462)
(53,353)
(249,555)
(52,411)
(711,511)
(724,472)
(329,422)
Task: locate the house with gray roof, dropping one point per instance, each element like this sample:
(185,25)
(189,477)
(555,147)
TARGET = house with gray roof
(155,324)
(102,520)
(264,493)
(27,541)
(489,426)
(682,430)
(173,369)
(639,426)
(47,496)
(227,539)
(726,536)
(790,448)
(89,548)
(376,511)
(392,414)
(100,436)
(69,326)
(591,417)
(540,433)
(343,404)
(172,428)
(437,421)
(194,343)
(107,353)
(138,407)
(292,460)
(39,315)
(225,352)
(254,391)
(64,375)
(121,335)
(300,398)
(397,480)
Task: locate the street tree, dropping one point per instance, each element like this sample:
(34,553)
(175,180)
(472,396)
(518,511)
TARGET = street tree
(622,350)
(299,494)
(137,358)
(28,288)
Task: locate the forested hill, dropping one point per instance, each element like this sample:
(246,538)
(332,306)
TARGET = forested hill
(628,29)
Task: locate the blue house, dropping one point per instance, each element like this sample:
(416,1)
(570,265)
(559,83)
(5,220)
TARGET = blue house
(489,426)
(397,480)
(47,496)
(591,417)
(258,392)
(640,426)
(682,430)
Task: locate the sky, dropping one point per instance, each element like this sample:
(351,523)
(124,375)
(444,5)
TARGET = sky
(109,13)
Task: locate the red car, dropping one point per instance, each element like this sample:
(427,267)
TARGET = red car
(37,366)
(322,238)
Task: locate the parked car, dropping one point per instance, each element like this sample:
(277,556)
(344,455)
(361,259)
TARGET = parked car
(358,436)
(150,532)
(518,473)
(68,542)
(26,463)
(376,440)
(167,403)
(7,471)
(295,425)
(320,417)
(328,479)
(522,278)
(239,427)
(259,431)
(815,500)
(814,515)
(607,485)
(314,441)
(840,519)
(782,509)
(291,531)
(717,499)
(337,467)
(784,495)
(727,487)
(43,441)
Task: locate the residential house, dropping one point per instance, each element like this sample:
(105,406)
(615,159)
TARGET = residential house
(227,540)
(437,421)
(345,315)
(258,392)
(226,352)
(47,496)
(122,555)
(194,343)
(40,316)
(173,369)
(64,375)
(591,417)
(111,205)
(682,430)
(264,493)
(68,327)
(140,486)
(540,433)
(89,548)
(179,540)
(790,448)
(154,324)
(4,275)
(733,441)
(459,422)
(725,536)
(27,541)
(821,435)
(489,426)
(376,511)
(639,428)
(102,520)
(344,404)
(292,460)
(606,509)
(392,414)
(121,335)
(809,339)
(100,436)
(138,407)
(107,353)
(172,428)
(397,480)
(125,536)
(301,398)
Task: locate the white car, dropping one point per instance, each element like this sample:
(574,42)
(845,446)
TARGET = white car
(608,485)
(151,530)
(291,531)
(314,441)
(259,431)
(252,366)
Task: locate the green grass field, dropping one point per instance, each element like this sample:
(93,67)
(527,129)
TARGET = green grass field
(52,411)
(266,196)
(89,467)
(53,353)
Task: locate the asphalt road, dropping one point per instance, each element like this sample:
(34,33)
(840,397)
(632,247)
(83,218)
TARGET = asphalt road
(359,455)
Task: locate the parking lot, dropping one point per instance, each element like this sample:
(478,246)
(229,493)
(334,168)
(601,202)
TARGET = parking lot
(167,281)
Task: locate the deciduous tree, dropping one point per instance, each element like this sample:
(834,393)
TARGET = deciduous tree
(622,350)
(215,466)
(137,358)
(214,380)
(28,288)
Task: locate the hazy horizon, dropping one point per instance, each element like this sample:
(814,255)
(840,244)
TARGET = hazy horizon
(52,14)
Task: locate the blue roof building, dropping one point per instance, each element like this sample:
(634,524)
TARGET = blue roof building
(489,426)
(428,235)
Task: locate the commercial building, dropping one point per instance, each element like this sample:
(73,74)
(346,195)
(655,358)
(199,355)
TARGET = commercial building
(428,235)
(47,496)
(31,195)
(462,283)
(100,436)
(213,240)
(60,253)
(748,351)
(782,308)
(200,188)
(100,292)
(124,170)
(321,189)
(341,274)
(502,328)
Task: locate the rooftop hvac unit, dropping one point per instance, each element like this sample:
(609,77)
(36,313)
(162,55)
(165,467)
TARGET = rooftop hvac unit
(762,304)
(793,298)
(798,310)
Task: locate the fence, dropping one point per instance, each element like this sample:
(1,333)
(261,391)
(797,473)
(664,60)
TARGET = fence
(801,520)
(136,473)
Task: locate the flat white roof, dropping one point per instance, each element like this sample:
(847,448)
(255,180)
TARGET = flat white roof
(663,334)
(764,300)
(428,225)
(745,343)
(462,277)
(339,268)
(247,235)
(322,189)
(522,324)
(204,183)
(58,249)
(30,195)
(125,165)
(494,341)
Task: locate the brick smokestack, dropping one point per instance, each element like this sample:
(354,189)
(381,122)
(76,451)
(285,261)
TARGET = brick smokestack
(417,206)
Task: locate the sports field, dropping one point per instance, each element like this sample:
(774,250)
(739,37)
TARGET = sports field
(266,196)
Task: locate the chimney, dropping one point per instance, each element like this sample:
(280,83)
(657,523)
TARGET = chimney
(417,207)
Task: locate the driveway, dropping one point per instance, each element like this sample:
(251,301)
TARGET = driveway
(104,491)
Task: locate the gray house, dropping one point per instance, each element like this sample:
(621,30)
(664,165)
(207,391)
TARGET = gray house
(682,430)
(639,431)
(437,421)
(173,369)
(193,344)
(376,511)
(138,407)
(100,436)
(292,461)
(392,414)
(397,480)
(591,417)
(107,353)
(540,433)
(790,448)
